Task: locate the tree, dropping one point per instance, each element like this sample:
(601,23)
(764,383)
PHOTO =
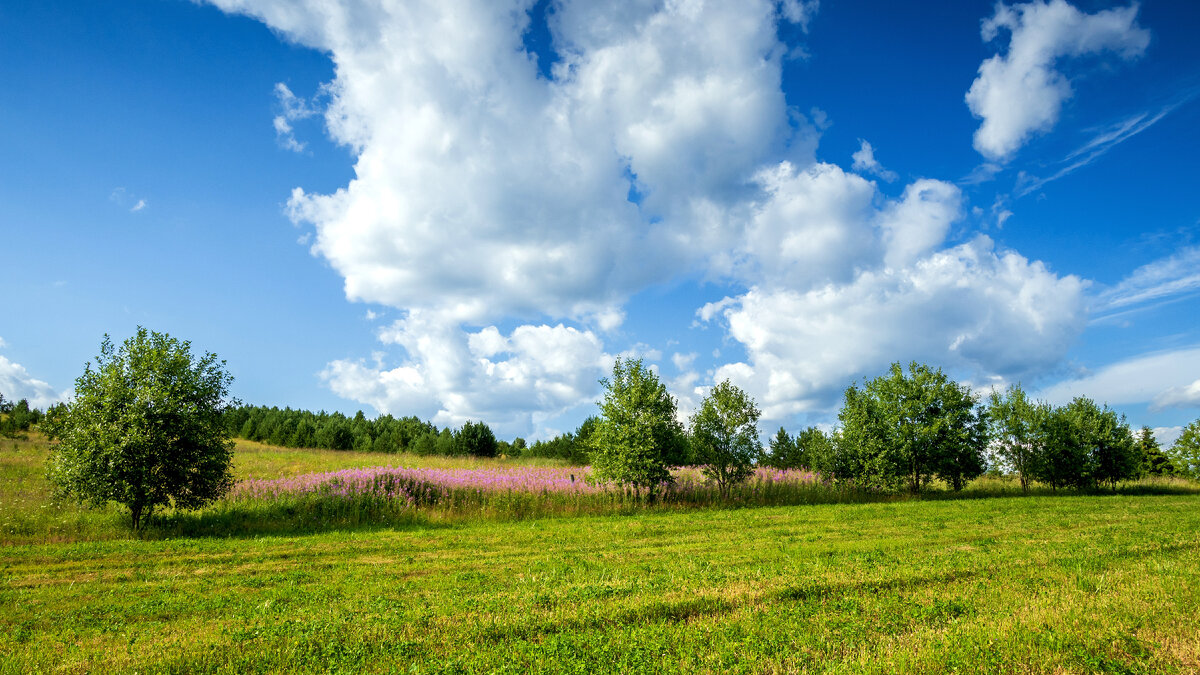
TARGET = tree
(637,432)
(1185,453)
(813,448)
(725,435)
(913,427)
(783,451)
(146,428)
(1154,462)
(476,438)
(1087,445)
(1016,426)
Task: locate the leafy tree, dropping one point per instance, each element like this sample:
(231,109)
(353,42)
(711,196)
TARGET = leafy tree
(912,427)
(1185,453)
(725,435)
(1017,428)
(637,434)
(476,438)
(1087,445)
(146,428)
(857,454)
(813,448)
(446,444)
(1154,461)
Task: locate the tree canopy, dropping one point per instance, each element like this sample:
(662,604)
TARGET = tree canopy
(725,435)
(1185,452)
(908,428)
(637,434)
(145,428)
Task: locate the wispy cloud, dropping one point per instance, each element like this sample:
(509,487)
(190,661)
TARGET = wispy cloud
(1105,139)
(123,198)
(1174,275)
(294,108)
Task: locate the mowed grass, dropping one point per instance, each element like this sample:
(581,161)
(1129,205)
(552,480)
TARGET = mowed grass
(1054,585)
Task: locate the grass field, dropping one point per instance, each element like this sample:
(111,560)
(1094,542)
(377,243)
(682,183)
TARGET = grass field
(1064,584)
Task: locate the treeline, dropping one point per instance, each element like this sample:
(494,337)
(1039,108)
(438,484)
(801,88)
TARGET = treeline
(17,416)
(903,430)
(334,431)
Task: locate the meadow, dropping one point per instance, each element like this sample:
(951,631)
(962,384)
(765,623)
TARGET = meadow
(870,583)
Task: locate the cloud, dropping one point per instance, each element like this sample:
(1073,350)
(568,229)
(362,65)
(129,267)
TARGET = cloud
(660,147)
(800,12)
(16,383)
(293,108)
(1157,378)
(515,382)
(1104,140)
(1166,436)
(1179,397)
(865,162)
(1021,93)
(121,197)
(1174,275)
(967,308)
(485,190)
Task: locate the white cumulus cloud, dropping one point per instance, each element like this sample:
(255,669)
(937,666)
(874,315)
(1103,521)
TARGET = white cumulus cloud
(16,383)
(513,381)
(1021,93)
(968,307)
(660,147)
(485,190)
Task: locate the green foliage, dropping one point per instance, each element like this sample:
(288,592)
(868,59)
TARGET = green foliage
(782,452)
(17,417)
(637,435)
(145,429)
(1017,427)
(1185,453)
(1153,461)
(332,431)
(476,439)
(725,435)
(1086,446)
(810,449)
(814,447)
(905,429)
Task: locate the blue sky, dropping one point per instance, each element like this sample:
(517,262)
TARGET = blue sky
(467,210)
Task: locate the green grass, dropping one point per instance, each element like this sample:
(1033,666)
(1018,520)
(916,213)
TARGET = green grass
(1069,584)
(258,460)
(1040,584)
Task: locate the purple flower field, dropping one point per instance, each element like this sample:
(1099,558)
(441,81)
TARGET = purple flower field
(426,487)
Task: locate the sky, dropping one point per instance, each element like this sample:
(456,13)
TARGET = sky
(466,210)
